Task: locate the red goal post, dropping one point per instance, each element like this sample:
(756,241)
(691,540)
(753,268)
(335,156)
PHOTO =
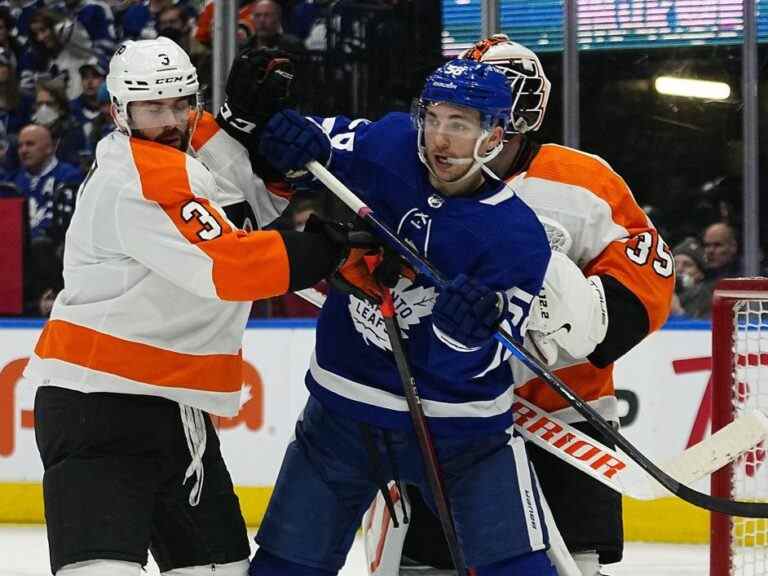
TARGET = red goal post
(739,546)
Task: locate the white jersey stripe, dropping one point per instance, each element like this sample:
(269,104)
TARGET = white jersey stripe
(383,399)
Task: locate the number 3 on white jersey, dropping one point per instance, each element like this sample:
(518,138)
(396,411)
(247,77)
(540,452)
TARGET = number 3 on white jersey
(663,264)
(211,228)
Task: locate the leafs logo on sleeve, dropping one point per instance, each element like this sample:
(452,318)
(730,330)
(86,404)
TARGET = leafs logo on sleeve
(412,303)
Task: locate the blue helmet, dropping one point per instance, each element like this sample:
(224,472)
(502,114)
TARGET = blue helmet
(477,85)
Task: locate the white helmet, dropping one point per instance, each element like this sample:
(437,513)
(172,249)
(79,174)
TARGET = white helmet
(530,87)
(149,70)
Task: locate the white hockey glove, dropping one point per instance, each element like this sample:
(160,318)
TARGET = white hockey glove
(570,313)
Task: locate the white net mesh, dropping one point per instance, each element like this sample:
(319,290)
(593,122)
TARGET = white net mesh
(749,475)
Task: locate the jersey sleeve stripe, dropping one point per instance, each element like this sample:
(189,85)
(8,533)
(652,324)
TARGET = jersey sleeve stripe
(246,266)
(93,350)
(652,289)
(206,128)
(593,383)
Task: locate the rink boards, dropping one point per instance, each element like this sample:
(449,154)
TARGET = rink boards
(661,385)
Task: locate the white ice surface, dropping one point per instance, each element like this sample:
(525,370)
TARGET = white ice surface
(24,552)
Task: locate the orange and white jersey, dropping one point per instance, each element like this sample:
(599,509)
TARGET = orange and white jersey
(158,283)
(230,165)
(610,236)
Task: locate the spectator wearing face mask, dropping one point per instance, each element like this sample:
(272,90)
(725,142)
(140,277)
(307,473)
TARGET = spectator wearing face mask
(691,295)
(52,110)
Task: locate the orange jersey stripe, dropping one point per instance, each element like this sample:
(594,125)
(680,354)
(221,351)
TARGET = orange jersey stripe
(101,352)
(204,131)
(246,266)
(587,380)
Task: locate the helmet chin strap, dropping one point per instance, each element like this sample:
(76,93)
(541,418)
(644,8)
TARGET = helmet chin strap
(478,162)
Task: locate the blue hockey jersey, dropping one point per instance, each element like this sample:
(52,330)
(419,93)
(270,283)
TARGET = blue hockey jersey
(491,235)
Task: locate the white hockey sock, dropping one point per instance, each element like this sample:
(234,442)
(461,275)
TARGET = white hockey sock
(101,568)
(239,568)
(588,563)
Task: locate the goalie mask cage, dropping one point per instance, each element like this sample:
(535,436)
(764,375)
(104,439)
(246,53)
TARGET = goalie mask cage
(739,546)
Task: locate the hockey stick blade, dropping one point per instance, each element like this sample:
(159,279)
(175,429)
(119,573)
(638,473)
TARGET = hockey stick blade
(616,470)
(422,265)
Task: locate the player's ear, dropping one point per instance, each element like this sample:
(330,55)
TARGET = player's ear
(495,138)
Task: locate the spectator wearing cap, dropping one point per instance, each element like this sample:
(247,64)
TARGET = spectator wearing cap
(103,124)
(691,296)
(85,108)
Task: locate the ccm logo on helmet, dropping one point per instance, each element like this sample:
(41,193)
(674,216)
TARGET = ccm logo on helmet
(170,80)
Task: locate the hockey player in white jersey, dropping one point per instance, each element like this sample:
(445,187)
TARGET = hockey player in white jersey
(146,338)
(622,293)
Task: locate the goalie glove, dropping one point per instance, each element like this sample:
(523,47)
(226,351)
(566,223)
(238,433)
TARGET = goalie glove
(570,313)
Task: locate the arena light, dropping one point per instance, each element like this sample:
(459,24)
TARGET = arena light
(691,88)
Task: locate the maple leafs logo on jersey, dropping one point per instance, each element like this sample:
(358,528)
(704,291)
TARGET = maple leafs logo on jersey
(412,303)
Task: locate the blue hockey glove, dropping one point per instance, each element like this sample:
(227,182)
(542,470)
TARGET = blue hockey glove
(467,312)
(289,141)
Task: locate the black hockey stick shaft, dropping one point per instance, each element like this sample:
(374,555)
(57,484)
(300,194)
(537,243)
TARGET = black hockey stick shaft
(432,468)
(422,265)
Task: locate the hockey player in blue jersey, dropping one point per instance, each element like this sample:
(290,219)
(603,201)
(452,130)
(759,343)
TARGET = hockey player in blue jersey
(426,179)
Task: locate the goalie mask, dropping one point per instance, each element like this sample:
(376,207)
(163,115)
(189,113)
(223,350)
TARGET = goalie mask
(159,73)
(473,85)
(530,87)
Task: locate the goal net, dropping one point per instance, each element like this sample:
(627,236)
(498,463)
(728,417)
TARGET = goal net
(739,546)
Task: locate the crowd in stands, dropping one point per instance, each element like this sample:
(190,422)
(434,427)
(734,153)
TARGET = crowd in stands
(54,104)
(54,108)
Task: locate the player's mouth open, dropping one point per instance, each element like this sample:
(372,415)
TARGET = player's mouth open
(442,161)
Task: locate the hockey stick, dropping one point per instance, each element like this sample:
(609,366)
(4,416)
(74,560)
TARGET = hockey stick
(422,265)
(432,468)
(614,469)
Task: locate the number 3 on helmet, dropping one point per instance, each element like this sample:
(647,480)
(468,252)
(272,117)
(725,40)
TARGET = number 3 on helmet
(530,87)
(151,70)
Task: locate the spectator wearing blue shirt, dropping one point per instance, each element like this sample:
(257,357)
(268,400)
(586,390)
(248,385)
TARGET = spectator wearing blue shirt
(86,108)
(48,184)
